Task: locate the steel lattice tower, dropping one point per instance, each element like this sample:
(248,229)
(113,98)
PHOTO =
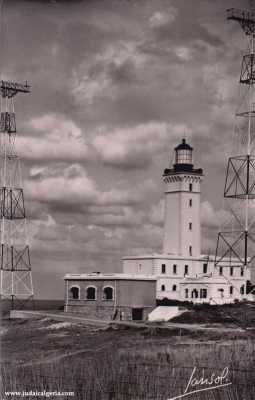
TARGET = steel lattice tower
(16,277)
(239,241)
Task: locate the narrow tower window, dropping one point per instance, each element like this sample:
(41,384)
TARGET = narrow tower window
(190,202)
(221,271)
(231,271)
(163,268)
(241,271)
(190,226)
(190,187)
(186,270)
(174,288)
(190,250)
(204,268)
(163,288)
(186,293)
(231,290)
(174,269)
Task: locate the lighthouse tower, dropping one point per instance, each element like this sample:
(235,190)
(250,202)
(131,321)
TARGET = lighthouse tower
(182,233)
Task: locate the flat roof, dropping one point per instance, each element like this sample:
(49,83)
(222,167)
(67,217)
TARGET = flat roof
(165,257)
(101,276)
(202,257)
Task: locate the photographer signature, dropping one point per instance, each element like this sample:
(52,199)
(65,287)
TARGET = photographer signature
(199,384)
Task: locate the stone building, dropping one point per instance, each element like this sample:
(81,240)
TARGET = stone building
(110,296)
(182,272)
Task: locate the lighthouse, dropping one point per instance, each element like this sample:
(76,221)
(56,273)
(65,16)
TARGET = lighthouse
(183,272)
(182,233)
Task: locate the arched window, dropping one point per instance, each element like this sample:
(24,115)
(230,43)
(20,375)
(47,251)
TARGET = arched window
(75,292)
(163,288)
(174,288)
(91,293)
(108,293)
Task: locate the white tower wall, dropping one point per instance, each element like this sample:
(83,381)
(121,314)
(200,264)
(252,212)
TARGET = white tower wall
(182,233)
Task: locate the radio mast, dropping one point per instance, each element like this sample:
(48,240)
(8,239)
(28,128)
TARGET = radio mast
(15,266)
(238,242)
(15,273)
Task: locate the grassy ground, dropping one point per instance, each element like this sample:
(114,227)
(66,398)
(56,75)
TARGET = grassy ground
(240,314)
(123,363)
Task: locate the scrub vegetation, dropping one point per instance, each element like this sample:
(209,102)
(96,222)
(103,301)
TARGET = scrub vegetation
(124,362)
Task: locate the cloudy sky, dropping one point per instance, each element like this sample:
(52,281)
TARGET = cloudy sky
(115,86)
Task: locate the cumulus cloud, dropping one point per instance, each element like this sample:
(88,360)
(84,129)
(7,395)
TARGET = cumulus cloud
(127,217)
(134,147)
(184,53)
(211,218)
(72,186)
(105,72)
(156,213)
(160,18)
(54,138)
(65,188)
(171,28)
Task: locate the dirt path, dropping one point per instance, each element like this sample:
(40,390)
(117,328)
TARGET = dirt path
(97,322)
(59,357)
(61,317)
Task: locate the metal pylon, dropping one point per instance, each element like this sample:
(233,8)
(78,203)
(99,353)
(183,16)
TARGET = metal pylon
(237,241)
(15,272)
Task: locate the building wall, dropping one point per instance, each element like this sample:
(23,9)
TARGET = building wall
(168,280)
(136,293)
(169,287)
(128,295)
(110,313)
(154,265)
(137,266)
(179,213)
(217,293)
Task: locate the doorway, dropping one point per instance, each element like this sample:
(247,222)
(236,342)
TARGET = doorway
(137,314)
